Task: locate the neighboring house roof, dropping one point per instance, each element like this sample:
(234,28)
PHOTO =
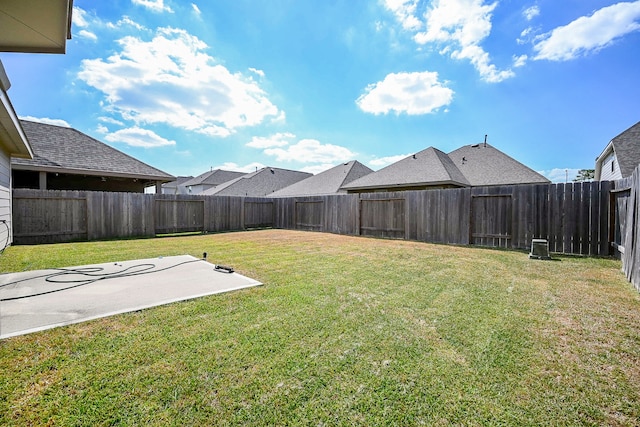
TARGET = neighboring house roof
(327,182)
(213,177)
(67,150)
(484,165)
(626,147)
(257,184)
(35,26)
(427,167)
(471,165)
(178,182)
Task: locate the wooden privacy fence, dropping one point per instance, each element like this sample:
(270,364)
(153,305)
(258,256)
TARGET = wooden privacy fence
(577,218)
(626,233)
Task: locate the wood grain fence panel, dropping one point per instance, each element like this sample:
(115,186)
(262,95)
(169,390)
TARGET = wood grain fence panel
(310,214)
(383,217)
(224,213)
(178,213)
(258,213)
(604,247)
(60,216)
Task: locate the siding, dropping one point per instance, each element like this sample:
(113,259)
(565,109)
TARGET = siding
(607,173)
(5,198)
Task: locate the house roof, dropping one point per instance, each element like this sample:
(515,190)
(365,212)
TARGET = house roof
(35,26)
(67,150)
(627,149)
(471,165)
(427,167)
(327,182)
(180,180)
(257,184)
(213,177)
(484,165)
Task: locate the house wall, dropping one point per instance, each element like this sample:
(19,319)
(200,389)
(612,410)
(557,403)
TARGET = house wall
(610,170)
(5,198)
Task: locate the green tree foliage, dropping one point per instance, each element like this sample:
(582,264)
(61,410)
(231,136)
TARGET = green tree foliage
(585,175)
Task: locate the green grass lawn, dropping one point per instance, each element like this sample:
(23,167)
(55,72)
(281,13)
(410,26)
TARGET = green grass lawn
(346,331)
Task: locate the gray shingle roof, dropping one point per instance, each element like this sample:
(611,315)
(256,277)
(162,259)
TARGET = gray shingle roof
(627,149)
(327,182)
(68,150)
(471,165)
(179,181)
(257,184)
(213,177)
(427,167)
(484,165)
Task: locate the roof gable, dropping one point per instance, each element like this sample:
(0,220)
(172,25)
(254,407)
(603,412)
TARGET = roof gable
(427,167)
(68,150)
(484,165)
(257,184)
(627,149)
(213,177)
(327,182)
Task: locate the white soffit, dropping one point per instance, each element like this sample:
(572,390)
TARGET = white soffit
(35,26)
(12,137)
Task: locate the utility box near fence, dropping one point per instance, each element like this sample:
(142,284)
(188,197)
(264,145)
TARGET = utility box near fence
(539,249)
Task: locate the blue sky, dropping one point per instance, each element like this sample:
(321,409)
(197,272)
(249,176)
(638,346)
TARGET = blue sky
(189,86)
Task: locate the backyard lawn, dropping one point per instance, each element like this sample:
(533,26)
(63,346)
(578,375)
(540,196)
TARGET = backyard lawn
(346,331)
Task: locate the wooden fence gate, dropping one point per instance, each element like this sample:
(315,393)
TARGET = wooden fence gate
(383,218)
(491,220)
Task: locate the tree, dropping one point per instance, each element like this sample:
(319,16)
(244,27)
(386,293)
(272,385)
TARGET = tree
(585,175)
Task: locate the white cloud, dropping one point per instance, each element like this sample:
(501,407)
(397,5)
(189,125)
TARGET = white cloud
(125,21)
(153,5)
(256,71)
(531,12)
(560,175)
(311,151)
(384,161)
(461,26)
(519,61)
(196,9)
(80,17)
(87,35)
(411,93)
(138,137)
(231,166)
(47,120)
(276,140)
(589,34)
(110,120)
(171,80)
(102,129)
(405,12)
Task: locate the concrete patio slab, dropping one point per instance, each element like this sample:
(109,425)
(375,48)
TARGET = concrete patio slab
(37,300)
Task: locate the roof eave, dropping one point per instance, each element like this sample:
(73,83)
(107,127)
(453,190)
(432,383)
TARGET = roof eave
(92,172)
(36,26)
(12,137)
(391,187)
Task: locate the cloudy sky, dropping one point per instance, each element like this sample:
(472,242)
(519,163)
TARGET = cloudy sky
(189,86)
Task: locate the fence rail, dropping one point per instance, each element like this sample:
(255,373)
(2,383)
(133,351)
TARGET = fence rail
(576,218)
